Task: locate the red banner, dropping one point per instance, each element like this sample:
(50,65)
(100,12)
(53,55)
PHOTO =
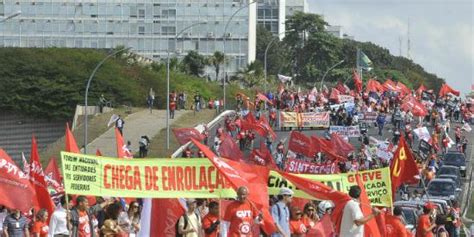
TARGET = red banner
(300,143)
(305,167)
(184,135)
(16,191)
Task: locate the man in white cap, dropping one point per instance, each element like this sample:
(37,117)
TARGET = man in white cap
(281,213)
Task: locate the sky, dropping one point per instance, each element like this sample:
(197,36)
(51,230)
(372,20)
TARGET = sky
(441,31)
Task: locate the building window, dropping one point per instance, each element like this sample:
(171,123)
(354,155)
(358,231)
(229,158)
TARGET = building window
(141,13)
(168,13)
(141,30)
(168,30)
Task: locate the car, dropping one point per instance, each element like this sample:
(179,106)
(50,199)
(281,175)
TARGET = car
(456,179)
(443,189)
(449,169)
(410,217)
(443,204)
(457,159)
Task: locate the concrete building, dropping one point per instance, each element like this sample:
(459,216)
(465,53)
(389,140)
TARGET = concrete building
(338,32)
(149,26)
(272,14)
(293,6)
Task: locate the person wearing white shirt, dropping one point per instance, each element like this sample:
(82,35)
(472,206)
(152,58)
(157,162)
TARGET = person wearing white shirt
(353,219)
(58,222)
(3,215)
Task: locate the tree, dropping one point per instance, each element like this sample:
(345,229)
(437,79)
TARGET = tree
(216,60)
(194,63)
(250,76)
(278,60)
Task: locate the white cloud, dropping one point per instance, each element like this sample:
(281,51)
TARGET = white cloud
(441,32)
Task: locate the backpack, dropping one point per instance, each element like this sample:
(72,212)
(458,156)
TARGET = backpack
(185,224)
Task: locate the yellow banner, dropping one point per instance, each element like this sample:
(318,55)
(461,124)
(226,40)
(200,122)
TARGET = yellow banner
(196,178)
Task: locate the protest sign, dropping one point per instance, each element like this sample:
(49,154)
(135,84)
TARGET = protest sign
(345,98)
(305,120)
(305,167)
(369,117)
(181,178)
(377,184)
(345,131)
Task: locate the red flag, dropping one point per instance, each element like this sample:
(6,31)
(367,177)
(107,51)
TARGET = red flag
(164,215)
(371,228)
(261,96)
(322,192)
(71,145)
(445,89)
(251,176)
(389,85)
(357,81)
(420,90)
(412,104)
(122,150)
(342,88)
(334,94)
(343,148)
(266,125)
(326,147)
(403,89)
(184,135)
(263,156)
(16,191)
(229,148)
(98,153)
(300,143)
(403,167)
(374,86)
(53,176)
(43,199)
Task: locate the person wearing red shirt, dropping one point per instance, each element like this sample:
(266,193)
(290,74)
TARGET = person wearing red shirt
(425,227)
(240,215)
(40,227)
(297,225)
(394,225)
(210,223)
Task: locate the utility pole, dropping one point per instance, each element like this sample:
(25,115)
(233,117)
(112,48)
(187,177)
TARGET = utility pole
(408,40)
(400,46)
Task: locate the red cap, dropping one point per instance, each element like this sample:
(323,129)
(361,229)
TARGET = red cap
(430,205)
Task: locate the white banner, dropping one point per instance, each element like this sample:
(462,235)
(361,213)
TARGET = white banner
(347,131)
(346,98)
(422,133)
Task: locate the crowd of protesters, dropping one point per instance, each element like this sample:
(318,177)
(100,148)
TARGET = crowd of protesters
(392,121)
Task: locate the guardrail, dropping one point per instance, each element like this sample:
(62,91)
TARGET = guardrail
(200,128)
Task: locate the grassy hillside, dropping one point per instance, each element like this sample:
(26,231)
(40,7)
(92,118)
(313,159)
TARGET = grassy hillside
(50,82)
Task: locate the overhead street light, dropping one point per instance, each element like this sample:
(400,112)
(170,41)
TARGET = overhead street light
(265,56)
(13,15)
(224,41)
(168,81)
(324,76)
(87,91)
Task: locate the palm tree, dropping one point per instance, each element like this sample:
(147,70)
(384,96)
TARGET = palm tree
(216,60)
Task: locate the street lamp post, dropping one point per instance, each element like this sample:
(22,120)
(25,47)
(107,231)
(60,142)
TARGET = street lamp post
(15,14)
(87,91)
(168,81)
(224,41)
(324,76)
(265,56)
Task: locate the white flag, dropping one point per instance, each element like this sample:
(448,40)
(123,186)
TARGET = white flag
(112,120)
(284,79)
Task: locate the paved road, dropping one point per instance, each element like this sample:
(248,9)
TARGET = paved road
(136,125)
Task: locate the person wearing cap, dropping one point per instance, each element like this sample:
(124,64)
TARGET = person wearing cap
(189,224)
(394,224)
(425,227)
(281,213)
(353,220)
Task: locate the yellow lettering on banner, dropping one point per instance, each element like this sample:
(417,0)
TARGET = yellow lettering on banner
(396,165)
